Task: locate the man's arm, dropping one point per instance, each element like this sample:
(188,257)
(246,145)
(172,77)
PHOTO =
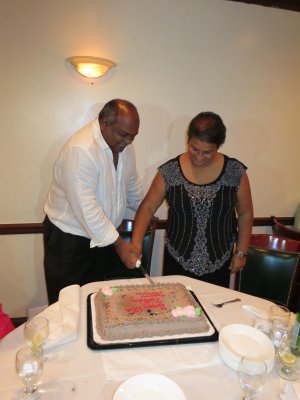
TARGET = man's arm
(80,181)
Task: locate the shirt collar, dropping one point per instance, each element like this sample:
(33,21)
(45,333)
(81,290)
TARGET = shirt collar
(99,135)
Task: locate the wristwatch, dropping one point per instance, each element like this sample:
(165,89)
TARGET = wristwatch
(240,254)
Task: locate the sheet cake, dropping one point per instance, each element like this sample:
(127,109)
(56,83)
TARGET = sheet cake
(139,311)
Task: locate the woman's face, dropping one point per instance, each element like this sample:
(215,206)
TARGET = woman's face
(201,153)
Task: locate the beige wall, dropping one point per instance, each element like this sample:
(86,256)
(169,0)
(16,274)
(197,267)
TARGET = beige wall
(174,59)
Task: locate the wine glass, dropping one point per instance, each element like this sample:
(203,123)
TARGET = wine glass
(287,360)
(279,330)
(29,366)
(280,313)
(252,374)
(36,332)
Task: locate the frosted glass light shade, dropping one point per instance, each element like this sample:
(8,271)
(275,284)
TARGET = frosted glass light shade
(91,67)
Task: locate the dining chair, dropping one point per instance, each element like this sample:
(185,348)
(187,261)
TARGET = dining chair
(119,270)
(282,230)
(272,270)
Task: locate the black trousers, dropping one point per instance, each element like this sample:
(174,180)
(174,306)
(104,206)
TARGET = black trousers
(220,277)
(68,260)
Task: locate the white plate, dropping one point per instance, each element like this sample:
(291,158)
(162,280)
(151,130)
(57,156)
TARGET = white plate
(236,341)
(149,387)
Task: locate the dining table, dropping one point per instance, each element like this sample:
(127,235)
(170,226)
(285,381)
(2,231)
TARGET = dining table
(76,371)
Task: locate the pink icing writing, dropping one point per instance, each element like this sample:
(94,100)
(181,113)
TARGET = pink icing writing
(134,310)
(150,294)
(148,302)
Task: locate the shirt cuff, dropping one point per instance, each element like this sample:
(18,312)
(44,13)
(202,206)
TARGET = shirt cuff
(108,240)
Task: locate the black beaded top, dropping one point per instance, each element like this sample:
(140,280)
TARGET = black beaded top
(202,224)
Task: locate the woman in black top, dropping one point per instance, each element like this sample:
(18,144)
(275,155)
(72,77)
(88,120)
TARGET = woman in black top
(210,207)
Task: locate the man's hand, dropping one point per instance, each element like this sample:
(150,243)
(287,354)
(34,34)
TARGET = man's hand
(127,252)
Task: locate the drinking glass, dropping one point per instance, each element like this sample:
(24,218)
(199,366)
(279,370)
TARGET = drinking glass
(36,332)
(287,360)
(29,366)
(280,312)
(279,330)
(252,374)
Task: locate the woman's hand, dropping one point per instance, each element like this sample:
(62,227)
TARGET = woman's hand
(127,252)
(237,263)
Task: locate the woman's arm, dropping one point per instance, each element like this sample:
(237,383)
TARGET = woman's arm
(244,210)
(147,209)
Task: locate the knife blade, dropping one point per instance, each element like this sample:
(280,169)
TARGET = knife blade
(138,264)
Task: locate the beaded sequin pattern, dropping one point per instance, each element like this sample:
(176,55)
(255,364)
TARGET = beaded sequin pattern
(202,226)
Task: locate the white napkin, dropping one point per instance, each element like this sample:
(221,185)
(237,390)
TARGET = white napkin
(262,322)
(288,392)
(63,317)
(256,312)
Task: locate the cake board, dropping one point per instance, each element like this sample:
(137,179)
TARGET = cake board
(94,342)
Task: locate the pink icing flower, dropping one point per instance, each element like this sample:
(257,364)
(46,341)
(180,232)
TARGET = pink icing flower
(188,311)
(107,290)
(177,312)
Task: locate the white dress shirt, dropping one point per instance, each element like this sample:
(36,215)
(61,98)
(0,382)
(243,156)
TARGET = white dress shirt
(88,196)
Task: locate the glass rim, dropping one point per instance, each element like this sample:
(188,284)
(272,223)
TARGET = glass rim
(259,363)
(32,350)
(36,319)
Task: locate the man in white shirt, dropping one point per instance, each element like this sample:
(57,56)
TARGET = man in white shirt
(94,181)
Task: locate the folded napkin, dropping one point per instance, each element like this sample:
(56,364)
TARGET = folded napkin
(262,322)
(256,312)
(63,317)
(288,392)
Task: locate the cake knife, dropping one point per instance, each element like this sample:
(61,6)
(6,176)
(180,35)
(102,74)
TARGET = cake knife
(138,264)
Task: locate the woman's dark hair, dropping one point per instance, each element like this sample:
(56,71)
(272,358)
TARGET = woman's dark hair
(208,127)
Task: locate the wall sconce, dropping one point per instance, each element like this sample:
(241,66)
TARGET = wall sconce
(90,67)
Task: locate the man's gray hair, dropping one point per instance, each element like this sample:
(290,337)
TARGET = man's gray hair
(110,110)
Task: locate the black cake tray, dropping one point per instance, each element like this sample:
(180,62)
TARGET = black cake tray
(92,344)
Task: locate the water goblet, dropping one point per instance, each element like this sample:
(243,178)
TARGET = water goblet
(252,374)
(280,313)
(29,366)
(36,332)
(279,330)
(287,360)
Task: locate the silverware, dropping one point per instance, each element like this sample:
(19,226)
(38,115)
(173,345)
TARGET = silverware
(146,275)
(219,305)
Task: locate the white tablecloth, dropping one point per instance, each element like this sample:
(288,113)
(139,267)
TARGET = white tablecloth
(75,371)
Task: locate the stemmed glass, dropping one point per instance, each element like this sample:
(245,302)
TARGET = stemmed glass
(252,374)
(287,360)
(280,321)
(29,366)
(36,332)
(279,330)
(280,313)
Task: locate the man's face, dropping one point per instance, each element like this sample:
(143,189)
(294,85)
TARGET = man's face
(122,132)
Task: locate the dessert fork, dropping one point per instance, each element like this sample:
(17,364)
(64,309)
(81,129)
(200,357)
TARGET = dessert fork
(220,305)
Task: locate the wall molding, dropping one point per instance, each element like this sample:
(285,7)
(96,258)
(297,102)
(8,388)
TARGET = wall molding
(35,228)
(21,229)
(292,5)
